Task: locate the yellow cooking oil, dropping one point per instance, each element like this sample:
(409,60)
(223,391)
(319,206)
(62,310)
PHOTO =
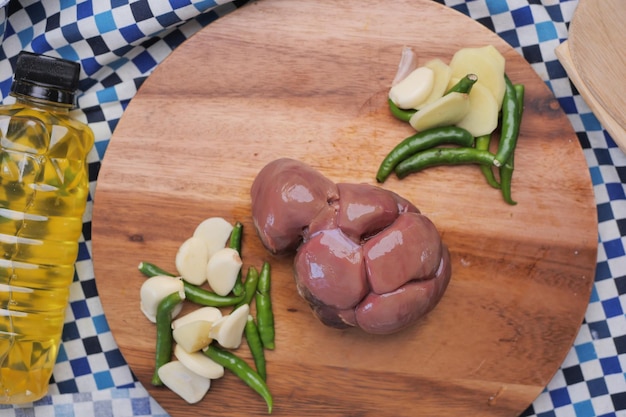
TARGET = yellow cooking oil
(44,186)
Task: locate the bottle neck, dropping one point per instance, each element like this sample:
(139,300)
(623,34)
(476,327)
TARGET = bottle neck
(42,104)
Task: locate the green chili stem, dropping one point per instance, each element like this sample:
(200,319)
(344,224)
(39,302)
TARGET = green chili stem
(164,333)
(241,369)
(464,85)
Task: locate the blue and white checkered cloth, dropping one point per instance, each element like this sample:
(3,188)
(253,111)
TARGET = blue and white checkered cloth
(120,42)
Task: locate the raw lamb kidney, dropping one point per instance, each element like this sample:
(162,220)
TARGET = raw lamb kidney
(364,256)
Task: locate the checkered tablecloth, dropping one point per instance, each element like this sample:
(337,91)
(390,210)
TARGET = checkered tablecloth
(119,43)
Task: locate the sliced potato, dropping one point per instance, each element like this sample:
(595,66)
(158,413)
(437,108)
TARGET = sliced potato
(414,89)
(222,270)
(215,231)
(194,335)
(445,111)
(442,75)
(495,55)
(191,260)
(487,63)
(199,363)
(190,386)
(211,314)
(482,118)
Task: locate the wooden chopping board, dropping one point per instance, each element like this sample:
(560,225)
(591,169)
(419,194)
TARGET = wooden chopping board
(308,80)
(595,61)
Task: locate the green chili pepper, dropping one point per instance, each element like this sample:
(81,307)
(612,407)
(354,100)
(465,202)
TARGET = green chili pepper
(151,270)
(400,114)
(235,243)
(253,338)
(482,143)
(419,142)
(506,174)
(240,368)
(252,279)
(164,333)
(519,96)
(192,292)
(265,314)
(506,170)
(464,85)
(207,298)
(510,125)
(443,156)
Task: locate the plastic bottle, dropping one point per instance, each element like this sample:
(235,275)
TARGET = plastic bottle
(43,192)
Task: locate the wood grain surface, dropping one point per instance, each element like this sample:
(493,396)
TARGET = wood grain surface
(308,80)
(594,59)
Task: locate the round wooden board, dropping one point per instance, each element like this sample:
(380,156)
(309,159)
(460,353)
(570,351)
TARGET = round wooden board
(308,80)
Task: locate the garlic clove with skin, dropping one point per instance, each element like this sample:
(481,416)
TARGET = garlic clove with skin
(408,63)
(155,289)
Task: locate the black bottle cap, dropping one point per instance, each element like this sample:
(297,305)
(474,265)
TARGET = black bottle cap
(46,78)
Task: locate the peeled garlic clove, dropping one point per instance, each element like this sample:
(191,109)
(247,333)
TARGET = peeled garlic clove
(228,331)
(441,73)
(199,363)
(191,260)
(193,336)
(414,89)
(211,314)
(222,270)
(215,328)
(215,231)
(190,386)
(155,289)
